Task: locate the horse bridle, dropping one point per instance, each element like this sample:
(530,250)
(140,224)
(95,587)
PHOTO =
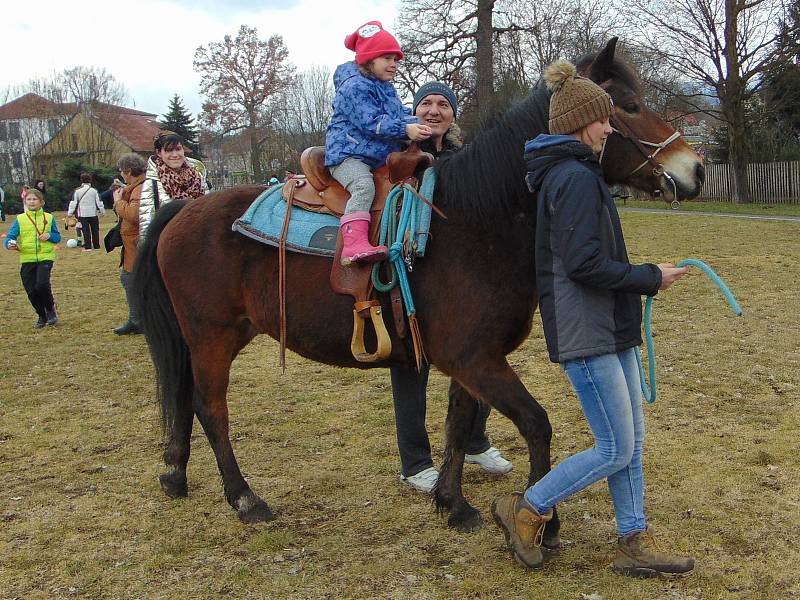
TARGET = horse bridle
(622,129)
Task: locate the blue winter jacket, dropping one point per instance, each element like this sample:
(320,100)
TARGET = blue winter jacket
(589,292)
(368,122)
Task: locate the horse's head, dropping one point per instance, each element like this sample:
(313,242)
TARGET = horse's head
(644,151)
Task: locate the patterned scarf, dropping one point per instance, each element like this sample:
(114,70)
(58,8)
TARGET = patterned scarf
(184,182)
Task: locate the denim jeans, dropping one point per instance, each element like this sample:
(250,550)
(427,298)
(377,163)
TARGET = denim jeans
(609,392)
(410,402)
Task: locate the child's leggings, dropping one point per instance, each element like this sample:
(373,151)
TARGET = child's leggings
(36,281)
(356,177)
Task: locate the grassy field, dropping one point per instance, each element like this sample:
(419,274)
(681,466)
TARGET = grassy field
(755,208)
(81,513)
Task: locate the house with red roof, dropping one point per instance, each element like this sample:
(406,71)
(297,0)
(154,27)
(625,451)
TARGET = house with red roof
(37,135)
(26,124)
(98,134)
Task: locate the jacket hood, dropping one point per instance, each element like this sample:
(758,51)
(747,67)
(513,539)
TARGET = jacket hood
(344,72)
(546,151)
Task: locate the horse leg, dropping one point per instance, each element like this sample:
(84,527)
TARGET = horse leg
(448,497)
(211,361)
(499,386)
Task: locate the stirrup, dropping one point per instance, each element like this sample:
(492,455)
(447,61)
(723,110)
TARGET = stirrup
(357,347)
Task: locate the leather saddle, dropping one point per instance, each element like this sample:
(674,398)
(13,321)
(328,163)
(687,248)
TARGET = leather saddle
(318,191)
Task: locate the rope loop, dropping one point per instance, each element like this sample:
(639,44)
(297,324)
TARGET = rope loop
(649,391)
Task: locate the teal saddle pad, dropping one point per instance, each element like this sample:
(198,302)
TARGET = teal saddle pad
(309,232)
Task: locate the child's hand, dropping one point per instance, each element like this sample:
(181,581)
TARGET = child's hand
(12,245)
(44,236)
(417,132)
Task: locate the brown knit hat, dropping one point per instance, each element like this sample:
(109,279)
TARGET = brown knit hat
(576,101)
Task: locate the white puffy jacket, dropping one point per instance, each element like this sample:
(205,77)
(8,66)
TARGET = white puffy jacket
(147,204)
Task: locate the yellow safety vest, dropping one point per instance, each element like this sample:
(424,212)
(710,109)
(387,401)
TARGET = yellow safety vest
(31,248)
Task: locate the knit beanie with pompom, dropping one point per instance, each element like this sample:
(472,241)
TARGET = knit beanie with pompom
(370,41)
(576,101)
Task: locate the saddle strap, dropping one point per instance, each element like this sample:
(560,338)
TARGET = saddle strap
(293,183)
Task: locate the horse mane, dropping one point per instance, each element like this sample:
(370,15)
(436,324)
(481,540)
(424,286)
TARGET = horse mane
(484,182)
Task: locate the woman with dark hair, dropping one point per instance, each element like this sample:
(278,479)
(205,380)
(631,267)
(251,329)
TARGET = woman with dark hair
(170,175)
(40,185)
(86,205)
(435,105)
(126,203)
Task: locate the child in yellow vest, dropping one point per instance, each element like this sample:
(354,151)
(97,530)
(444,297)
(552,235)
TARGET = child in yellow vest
(34,235)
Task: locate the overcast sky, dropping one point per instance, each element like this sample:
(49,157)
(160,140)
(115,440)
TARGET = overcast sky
(149,45)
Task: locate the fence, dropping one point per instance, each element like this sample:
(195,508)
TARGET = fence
(777,182)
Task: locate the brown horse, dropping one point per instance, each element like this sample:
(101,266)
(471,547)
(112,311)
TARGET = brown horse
(205,292)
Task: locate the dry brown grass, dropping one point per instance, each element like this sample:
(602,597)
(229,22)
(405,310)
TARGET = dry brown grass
(81,513)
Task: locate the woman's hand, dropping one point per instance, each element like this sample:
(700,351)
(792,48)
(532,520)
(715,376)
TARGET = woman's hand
(417,132)
(670,274)
(117,196)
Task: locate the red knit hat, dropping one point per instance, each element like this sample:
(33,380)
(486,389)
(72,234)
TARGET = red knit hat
(370,41)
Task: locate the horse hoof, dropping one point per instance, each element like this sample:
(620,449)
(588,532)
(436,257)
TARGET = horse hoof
(174,484)
(466,522)
(252,509)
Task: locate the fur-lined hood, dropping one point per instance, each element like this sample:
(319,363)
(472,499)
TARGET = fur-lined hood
(451,142)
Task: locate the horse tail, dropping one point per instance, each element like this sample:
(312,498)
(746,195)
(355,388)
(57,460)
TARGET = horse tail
(168,349)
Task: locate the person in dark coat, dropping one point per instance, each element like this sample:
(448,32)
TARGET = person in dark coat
(435,105)
(590,302)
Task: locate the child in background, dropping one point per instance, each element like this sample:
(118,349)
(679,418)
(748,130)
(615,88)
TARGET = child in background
(369,122)
(34,235)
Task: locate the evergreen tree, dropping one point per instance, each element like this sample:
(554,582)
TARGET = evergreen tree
(179,120)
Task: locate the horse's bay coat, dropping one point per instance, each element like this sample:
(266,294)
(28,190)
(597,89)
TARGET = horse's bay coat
(589,293)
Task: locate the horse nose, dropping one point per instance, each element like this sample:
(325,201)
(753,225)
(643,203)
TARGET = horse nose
(700,173)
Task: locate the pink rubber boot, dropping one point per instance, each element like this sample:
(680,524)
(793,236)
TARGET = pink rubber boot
(355,233)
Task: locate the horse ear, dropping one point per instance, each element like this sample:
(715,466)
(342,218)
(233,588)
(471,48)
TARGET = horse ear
(601,65)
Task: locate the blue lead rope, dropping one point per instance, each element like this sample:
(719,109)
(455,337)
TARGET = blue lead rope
(649,392)
(393,235)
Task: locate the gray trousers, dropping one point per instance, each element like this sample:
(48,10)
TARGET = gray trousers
(126,279)
(356,177)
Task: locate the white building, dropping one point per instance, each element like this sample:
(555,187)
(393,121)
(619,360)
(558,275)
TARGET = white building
(26,124)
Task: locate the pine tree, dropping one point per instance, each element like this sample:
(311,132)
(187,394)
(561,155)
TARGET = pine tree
(178,119)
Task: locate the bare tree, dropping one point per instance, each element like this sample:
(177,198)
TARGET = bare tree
(240,77)
(723,48)
(555,29)
(452,41)
(305,111)
(91,90)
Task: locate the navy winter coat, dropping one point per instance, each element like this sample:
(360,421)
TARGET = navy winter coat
(368,122)
(589,293)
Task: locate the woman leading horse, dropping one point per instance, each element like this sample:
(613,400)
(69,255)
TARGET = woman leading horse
(475,292)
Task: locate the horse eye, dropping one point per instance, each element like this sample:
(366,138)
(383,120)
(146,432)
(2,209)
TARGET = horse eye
(631,107)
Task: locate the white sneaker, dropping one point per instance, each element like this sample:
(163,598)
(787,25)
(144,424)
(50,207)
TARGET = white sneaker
(490,461)
(422,481)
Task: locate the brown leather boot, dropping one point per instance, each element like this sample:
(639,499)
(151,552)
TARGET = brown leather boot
(637,556)
(523,528)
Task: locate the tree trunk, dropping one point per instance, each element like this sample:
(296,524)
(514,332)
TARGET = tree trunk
(484,58)
(732,104)
(255,150)
(737,154)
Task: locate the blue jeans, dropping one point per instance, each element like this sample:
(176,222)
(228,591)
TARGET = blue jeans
(609,392)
